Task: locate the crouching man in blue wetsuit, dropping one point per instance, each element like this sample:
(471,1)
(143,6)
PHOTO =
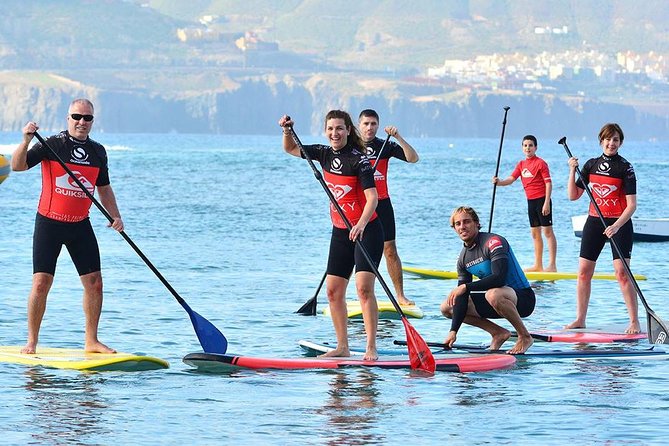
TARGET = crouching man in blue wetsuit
(502,290)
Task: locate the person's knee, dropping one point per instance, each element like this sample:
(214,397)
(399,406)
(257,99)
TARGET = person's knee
(93,283)
(446,310)
(622,276)
(41,284)
(496,297)
(333,294)
(365,291)
(390,250)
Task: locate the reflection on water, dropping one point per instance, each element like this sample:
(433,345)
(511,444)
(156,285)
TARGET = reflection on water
(353,408)
(606,379)
(64,409)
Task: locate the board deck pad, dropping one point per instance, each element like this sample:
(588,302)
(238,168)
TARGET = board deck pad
(465,362)
(386,310)
(536,276)
(78,359)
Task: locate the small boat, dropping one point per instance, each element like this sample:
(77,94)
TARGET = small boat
(645,229)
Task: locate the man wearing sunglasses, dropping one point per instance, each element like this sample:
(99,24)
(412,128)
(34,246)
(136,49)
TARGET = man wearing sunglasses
(62,216)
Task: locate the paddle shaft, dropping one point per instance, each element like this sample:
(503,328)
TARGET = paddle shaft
(446,347)
(614,244)
(499,158)
(378,156)
(346,221)
(111,220)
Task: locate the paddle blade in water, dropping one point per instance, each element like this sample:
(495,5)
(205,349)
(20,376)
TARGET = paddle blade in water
(657,330)
(211,339)
(309,307)
(420,355)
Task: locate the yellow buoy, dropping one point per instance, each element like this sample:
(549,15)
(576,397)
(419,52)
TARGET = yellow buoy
(5,168)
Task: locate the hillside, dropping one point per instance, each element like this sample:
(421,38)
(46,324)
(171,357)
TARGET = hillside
(191,65)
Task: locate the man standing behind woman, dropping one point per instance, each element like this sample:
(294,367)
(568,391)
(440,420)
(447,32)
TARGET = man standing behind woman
(536,179)
(350,176)
(368,121)
(612,180)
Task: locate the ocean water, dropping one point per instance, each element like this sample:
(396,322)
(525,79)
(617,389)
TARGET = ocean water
(240,230)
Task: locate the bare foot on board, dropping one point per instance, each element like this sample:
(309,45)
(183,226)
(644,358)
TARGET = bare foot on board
(533,269)
(551,269)
(499,338)
(98,347)
(29,349)
(633,328)
(523,343)
(575,324)
(403,301)
(338,352)
(371,355)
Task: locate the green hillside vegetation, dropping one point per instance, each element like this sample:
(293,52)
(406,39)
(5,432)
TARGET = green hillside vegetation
(406,35)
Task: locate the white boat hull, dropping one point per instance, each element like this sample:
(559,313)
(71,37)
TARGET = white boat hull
(645,229)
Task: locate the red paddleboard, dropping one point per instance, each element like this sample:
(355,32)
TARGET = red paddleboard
(585,336)
(214,362)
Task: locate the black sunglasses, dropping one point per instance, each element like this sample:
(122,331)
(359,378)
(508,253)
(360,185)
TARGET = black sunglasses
(77,117)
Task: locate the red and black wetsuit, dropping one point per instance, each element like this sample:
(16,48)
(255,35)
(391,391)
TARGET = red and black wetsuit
(348,173)
(610,179)
(380,163)
(62,213)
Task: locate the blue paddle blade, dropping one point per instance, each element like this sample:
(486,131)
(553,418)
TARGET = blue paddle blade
(211,339)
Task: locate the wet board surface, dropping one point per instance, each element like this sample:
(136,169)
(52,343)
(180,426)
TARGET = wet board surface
(465,362)
(538,276)
(78,359)
(386,310)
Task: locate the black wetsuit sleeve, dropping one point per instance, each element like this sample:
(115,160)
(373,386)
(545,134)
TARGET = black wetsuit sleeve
(585,174)
(365,173)
(38,152)
(459,311)
(499,267)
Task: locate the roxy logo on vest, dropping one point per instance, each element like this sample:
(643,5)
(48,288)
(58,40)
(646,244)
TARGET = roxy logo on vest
(339,190)
(602,191)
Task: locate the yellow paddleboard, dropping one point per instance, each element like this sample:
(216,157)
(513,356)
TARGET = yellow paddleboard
(532,276)
(386,310)
(78,359)
(5,168)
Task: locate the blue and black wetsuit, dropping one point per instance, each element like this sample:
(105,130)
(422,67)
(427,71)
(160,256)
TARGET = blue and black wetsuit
(491,259)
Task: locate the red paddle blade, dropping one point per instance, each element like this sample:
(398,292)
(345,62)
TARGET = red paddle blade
(420,354)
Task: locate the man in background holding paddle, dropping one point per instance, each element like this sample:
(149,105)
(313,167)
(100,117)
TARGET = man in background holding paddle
(62,216)
(501,291)
(379,153)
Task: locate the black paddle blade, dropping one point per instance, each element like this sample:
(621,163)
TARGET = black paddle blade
(420,355)
(210,337)
(308,308)
(657,330)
